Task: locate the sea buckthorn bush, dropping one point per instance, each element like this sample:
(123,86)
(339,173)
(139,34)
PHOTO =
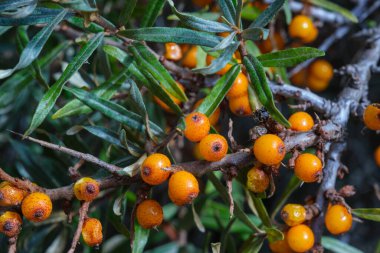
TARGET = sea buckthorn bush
(189,126)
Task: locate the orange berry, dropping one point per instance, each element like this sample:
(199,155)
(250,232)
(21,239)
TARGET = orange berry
(197,126)
(280,246)
(293,214)
(316,84)
(338,220)
(173,51)
(214,117)
(371,117)
(269,149)
(301,121)
(10,223)
(299,78)
(190,58)
(308,167)
(175,100)
(239,87)
(377,156)
(272,42)
(197,152)
(240,106)
(10,195)
(257,180)
(224,34)
(202,3)
(149,214)
(183,188)
(301,27)
(259,5)
(300,238)
(322,70)
(311,36)
(224,70)
(213,147)
(153,169)
(86,189)
(92,232)
(36,207)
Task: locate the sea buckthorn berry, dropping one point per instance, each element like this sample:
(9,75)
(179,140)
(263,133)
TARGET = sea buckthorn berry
(86,189)
(173,51)
(36,207)
(10,223)
(280,246)
(301,121)
(202,3)
(257,180)
(197,126)
(371,117)
(315,84)
(197,152)
(213,147)
(10,195)
(293,214)
(92,232)
(153,169)
(190,57)
(149,214)
(377,156)
(276,41)
(300,27)
(322,70)
(224,70)
(269,149)
(214,117)
(240,106)
(300,238)
(183,188)
(338,220)
(308,167)
(299,78)
(239,87)
(312,35)
(175,100)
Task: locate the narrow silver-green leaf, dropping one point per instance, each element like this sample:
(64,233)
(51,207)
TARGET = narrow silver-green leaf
(268,14)
(255,33)
(367,213)
(229,10)
(153,10)
(224,43)
(252,245)
(127,11)
(335,8)
(337,246)
(140,239)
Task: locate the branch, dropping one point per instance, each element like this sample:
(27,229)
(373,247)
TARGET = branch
(12,248)
(82,215)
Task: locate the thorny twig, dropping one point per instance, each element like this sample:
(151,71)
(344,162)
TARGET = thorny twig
(82,215)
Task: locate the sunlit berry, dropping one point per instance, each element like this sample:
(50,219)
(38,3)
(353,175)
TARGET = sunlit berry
(86,189)
(183,188)
(293,214)
(308,167)
(213,147)
(10,195)
(301,27)
(322,70)
(257,180)
(154,169)
(92,232)
(240,106)
(300,238)
(173,51)
(371,117)
(149,214)
(269,149)
(239,87)
(281,246)
(190,57)
(338,220)
(36,207)
(301,121)
(197,126)
(214,117)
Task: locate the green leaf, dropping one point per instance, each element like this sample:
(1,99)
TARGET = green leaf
(261,210)
(50,97)
(197,220)
(34,47)
(201,57)
(227,41)
(118,54)
(337,246)
(239,9)
(289,57)
(229,10)
(146,60)
(91,27)
(140,239)
(152,11)
(288,12)
(169,34)
(200,23)
(268,14)
(255,33)
(252,245)
(11,5)
(115,111)
(219,91)
(273,234)
(127,11)
(335,8)
(367,213)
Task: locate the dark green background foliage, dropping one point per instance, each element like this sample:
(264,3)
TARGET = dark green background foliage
(116,134)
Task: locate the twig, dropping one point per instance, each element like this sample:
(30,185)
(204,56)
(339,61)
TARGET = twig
(12,248)
(22,184)
(82,215)
(73,171)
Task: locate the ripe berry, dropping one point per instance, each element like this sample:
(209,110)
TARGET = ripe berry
(10,195)
(175,100)
(316,84)
(269,149)
(280,246)
(257,180)
(197,152)
(338,220)
(371,116)
(300,238)
(197,126)
(293,214)
(301,121)
(36,207)
(183,188)
(10,223)
(240,106)
(86,189)
(377,156)
(173,51)
(214,117)
(301,27)
(321,69)
(149,214)
(224,70)
(153,169)
(190,57)
(308,167)
(239,87)
(272,42)
(213,147)
(311,36)
(92,232)
(299,78)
